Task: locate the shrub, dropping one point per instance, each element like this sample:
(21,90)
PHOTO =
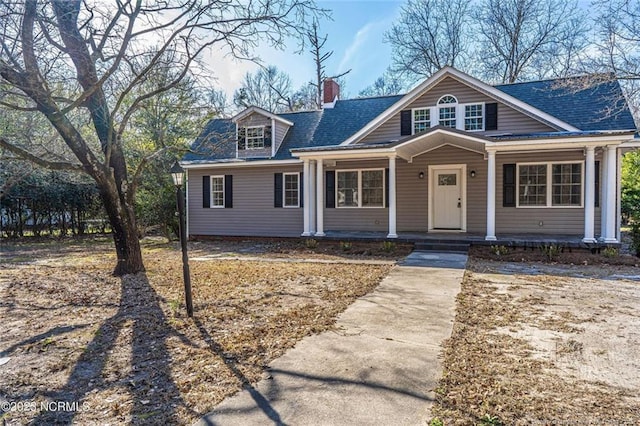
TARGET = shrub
(388,246)
(551,251)
(610,252)
(635,237)
(499,250)
(345,245)
(310,243)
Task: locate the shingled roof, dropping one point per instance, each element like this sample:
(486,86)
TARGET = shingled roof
(588,107)
(600,107)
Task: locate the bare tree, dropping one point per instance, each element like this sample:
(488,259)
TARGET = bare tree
(76,62)
(267,88)
(390,83)
(529,38)
(320,56)
(429,35)
(616,52)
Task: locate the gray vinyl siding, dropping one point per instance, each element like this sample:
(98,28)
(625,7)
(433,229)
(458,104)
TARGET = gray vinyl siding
(279,132)
(253,213)
(412,194)
(509,120)
(255,119)
(559,221)
(354,218)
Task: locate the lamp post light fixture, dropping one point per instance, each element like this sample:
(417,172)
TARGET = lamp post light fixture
(177,174)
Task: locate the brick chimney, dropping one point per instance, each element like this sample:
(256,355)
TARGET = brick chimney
(330,91)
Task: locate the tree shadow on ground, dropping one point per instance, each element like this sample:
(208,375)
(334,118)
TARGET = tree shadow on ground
(154,394)
(260,400)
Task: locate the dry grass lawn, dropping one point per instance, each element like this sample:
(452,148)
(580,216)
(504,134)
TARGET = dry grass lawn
(543,344)
(124,351)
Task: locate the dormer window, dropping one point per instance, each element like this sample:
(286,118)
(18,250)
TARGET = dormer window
(447,111)
(254,137)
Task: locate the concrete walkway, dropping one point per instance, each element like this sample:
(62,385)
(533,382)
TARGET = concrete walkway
(380,366)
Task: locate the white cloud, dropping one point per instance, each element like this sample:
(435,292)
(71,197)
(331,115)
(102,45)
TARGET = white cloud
(353,49)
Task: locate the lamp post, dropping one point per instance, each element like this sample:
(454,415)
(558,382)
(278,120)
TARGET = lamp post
(177,174)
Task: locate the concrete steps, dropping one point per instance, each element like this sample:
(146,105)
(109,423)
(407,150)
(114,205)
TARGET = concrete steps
(443,246)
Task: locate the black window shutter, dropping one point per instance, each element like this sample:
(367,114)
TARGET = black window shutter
(508,185)
(301,189)
(267,136)
(242,132)
(277,190)
(206,192)
(491,116)
(405,123)
(386,187)
(330,189)
(597,184)
(228,191)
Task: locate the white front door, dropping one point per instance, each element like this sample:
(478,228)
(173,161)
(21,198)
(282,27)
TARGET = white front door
(447,198)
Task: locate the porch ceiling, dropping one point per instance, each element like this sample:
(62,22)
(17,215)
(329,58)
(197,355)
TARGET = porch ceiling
(433,140)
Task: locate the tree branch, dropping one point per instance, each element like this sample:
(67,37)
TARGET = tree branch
(53,165)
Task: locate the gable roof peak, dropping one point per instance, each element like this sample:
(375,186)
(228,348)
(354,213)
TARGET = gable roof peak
(255,109)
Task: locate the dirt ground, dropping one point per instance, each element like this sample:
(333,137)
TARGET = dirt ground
(80,346)
(544,343)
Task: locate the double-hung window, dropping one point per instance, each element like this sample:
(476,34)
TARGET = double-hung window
(217,191)
(255,137)
(360,188)
(291,189)
(550,185)
(421,120)
(473,117)
(447,111)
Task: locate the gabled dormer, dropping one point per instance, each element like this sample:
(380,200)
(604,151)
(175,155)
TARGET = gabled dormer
(259,133)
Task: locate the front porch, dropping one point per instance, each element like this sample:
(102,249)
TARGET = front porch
(470,239)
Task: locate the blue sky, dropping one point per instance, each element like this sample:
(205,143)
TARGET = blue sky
(355,34)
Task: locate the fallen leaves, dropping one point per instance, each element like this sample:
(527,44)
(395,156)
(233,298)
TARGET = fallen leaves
(126,348)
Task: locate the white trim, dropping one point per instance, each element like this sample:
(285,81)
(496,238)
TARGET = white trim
(306,210)
(224,196)
(463,196)
(238,163)
(549,184)
(319,198)
(346,153)
(273,139)
(469,81)
(392,198)
(491,197)
(612,168)
(250,110)
(589,195)
(447,144)
(360,206)
(554,143)
(246,137)
(284,190)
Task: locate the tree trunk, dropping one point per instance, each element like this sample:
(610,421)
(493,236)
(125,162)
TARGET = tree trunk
(124,230)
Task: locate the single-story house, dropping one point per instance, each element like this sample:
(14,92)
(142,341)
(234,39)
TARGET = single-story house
(453,155)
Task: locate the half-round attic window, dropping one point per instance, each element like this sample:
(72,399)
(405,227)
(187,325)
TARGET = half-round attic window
(447,99)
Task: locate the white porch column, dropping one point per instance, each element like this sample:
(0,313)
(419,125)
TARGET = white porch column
(319,200)
(603,194)
(619,197)
(306,209)
(491,196)
(392,198)
(589,195)
(312,197)
(610,233)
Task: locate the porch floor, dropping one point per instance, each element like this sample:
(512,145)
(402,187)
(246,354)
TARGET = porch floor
(514,240)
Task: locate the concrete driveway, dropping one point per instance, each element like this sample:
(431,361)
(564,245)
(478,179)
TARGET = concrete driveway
(380,366)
